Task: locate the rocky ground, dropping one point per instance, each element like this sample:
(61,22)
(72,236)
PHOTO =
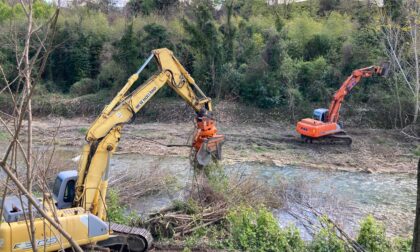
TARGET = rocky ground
(373,150)
(251,134)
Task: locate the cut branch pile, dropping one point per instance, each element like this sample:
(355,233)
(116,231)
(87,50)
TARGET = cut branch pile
(207,204)
(175,222)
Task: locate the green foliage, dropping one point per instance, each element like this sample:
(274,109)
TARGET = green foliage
(217,177)
(6,11)
(3,136)
(206,43)
(84,86)
(83,130)
(372,236)
(311,78)
(326,240)
(394,9)
(258,230)
(402,244)
(156,36)
(116,212)
(317,46)
(194,239)
(189,207)
(327,5)
(300,30)
(42,9)
(128,53)
(417,151)
(112,75)
(146,7)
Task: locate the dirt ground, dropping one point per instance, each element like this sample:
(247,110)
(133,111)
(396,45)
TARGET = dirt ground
(373,150)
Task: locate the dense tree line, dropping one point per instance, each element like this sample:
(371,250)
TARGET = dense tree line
(289,56)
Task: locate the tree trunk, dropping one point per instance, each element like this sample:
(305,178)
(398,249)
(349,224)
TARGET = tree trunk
(416,233)
(414,28)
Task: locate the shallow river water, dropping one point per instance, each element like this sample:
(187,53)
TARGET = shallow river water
(346,196)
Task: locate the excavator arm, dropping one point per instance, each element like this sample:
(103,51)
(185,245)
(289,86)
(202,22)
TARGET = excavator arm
(104,134)
(349,84)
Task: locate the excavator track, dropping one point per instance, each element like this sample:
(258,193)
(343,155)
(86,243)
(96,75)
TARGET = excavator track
(128,239)
(336,139)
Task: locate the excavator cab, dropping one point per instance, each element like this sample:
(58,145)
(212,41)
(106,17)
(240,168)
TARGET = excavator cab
(320,114)
(64,189)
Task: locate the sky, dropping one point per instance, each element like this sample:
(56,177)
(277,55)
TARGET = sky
(121,2)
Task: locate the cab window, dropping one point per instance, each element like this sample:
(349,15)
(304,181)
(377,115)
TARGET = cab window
(57,185)
(69,191)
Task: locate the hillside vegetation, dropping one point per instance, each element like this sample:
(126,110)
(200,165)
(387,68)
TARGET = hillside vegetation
(290,57)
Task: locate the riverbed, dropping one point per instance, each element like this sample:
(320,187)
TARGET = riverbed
(375,176)
(345,196)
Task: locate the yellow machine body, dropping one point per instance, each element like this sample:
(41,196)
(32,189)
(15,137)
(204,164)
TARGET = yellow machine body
(14,236)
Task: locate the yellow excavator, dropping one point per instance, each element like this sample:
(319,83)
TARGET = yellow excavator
(78,197)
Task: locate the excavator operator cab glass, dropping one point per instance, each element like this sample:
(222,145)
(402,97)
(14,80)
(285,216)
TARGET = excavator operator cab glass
(64,189)
(320,114)
(57,185)
(69,191)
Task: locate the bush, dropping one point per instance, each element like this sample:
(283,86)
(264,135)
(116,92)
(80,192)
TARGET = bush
(116,212)
(258,230)
(112,75)
(326,240)
(372,236)
(84,86)
(402,245)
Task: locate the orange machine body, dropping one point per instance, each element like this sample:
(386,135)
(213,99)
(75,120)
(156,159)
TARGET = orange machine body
(315,129)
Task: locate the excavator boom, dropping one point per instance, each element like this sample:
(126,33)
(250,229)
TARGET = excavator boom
(349,84)
(104,134)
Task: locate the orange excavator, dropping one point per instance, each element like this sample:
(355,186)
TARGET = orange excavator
(324,126)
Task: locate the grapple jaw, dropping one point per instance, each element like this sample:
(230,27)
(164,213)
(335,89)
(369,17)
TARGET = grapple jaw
(206,142)
(210,148)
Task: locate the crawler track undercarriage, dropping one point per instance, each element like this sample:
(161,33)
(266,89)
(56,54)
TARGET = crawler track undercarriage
(340,138)
(126,239)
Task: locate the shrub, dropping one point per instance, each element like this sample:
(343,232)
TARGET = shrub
(112,75)
(326,240)
(402,244)
(372,236)
(116,212)
(258,230)
(417,151)
(84,86)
